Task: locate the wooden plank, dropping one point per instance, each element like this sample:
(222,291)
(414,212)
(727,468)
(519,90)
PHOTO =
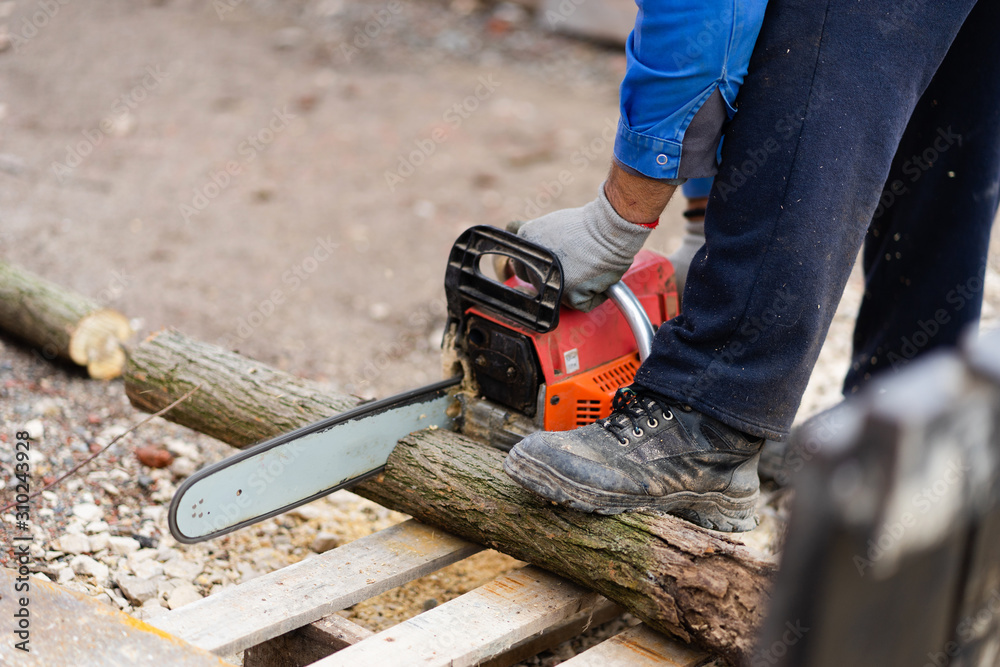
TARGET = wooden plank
(306,645)
(336,631)
(66,627)
(639,646)
(476,626)
(604,611)
(291,597)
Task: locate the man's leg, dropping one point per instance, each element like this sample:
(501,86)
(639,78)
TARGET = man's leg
(827,99)
(925,252)
(826,102)
(696,192)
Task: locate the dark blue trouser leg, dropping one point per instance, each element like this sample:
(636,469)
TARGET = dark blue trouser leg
(926,250)
(830,90)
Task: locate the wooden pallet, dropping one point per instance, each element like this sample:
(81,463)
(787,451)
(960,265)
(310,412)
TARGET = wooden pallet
(286,618)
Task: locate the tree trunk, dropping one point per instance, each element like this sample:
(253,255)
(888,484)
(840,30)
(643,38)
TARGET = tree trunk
(240,401)
(681,579)
(61,323)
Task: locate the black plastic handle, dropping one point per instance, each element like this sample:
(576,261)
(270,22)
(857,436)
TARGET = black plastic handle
(465,285)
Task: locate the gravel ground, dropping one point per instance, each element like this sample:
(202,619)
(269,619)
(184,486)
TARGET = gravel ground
(114,229)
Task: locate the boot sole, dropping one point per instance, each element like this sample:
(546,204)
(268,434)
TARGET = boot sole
(712,510)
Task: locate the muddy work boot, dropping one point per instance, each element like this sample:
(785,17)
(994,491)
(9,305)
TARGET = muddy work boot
(646,455)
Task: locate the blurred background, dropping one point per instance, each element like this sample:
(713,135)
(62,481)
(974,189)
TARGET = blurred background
(286,178)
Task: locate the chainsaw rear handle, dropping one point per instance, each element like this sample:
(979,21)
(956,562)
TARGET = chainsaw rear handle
(466,285)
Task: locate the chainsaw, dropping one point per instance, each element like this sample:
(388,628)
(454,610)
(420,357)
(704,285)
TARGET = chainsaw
(519,362)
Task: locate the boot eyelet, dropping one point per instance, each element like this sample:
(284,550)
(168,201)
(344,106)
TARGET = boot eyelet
(669,415)
(637,432)
(623,443)
(652,423)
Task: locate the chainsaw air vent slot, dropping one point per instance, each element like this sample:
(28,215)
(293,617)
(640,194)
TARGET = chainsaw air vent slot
(617,376)
(587,411)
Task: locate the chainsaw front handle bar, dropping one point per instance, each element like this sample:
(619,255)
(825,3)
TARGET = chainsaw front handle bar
(466,285)
(635,315)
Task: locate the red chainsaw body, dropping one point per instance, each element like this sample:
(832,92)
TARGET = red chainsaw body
(587,357)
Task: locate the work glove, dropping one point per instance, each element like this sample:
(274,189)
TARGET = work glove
(595,245)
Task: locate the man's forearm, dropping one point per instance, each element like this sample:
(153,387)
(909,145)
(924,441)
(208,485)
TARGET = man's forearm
(636,198)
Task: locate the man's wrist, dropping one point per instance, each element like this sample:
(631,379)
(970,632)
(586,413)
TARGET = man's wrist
(637,199)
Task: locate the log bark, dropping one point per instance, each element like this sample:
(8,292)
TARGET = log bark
(62,323)
(240,401)
(698,585)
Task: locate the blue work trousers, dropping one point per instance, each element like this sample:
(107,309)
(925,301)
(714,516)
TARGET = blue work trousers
(873,123)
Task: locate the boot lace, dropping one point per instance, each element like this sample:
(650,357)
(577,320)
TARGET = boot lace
(632,411)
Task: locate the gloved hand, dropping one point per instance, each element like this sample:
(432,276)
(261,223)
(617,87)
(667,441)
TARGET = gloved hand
(595,245)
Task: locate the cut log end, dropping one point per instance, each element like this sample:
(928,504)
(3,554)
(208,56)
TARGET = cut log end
(97,342)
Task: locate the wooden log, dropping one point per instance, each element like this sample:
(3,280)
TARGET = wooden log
(61,323)
(242,401)
(698,585)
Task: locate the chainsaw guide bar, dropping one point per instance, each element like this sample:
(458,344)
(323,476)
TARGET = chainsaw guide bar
(306,464)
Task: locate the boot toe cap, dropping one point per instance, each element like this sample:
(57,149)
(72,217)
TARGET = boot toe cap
(584,467)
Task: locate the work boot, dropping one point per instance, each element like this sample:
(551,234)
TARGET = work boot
(646,455)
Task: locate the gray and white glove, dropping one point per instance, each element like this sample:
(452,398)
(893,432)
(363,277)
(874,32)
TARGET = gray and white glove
(595,245)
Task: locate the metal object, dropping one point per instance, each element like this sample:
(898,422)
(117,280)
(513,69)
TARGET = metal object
(635,315)
(306,464)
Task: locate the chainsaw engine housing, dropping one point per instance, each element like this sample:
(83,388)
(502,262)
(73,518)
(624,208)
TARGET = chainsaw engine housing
(558,366)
